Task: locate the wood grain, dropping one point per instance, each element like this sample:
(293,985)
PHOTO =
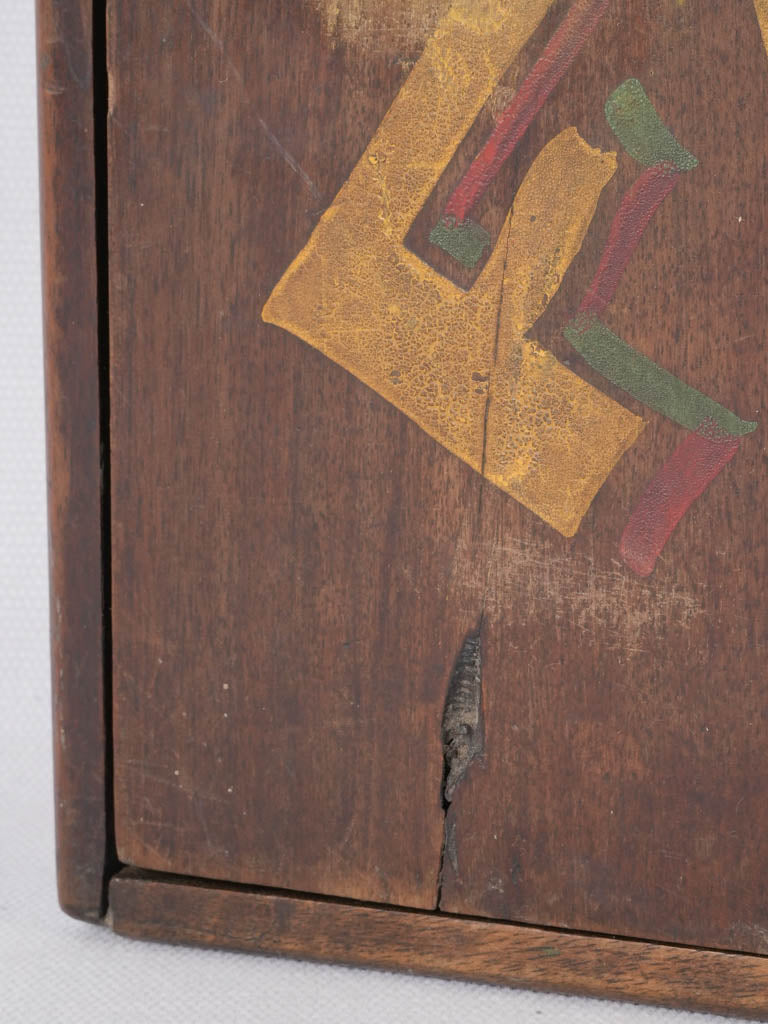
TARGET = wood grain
(171,910)
(278,702)
(68,204)
(296,565)
(623,790)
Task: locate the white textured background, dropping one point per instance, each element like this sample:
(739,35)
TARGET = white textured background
(54,969)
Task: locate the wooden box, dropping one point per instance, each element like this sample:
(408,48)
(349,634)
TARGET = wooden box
(406,375)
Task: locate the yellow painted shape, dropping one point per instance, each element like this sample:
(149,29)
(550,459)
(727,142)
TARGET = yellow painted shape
(761,9)
(546,443)
(358,295)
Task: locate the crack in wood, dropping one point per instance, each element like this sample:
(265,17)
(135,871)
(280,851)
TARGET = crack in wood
(463,737)
(462,730)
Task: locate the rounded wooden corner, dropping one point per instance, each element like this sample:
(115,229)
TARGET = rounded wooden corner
(70,91)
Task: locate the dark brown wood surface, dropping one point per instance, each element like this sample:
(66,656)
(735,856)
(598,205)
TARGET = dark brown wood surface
(296,564)
(172,911)
(278,529)
(68,205)
(623,788)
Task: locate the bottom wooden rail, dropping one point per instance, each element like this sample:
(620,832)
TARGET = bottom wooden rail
(173,909)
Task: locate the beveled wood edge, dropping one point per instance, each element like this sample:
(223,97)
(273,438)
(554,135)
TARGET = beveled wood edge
(68,112)
(144,905)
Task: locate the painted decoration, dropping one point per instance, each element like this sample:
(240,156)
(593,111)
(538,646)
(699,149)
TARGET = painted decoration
(461,363)
(463,238)
(701,457)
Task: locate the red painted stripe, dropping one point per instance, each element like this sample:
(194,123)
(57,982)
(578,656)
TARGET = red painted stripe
(559,54)
(639,204)
(683,477)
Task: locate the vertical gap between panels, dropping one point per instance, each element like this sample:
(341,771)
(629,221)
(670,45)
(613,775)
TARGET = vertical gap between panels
(100,110)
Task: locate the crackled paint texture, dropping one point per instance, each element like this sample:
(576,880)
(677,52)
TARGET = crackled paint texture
(456,362)
(462,238)
(761,9)
(562,49)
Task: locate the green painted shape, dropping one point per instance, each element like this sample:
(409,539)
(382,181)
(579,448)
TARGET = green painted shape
(466,242)
(646,381)
(641,131)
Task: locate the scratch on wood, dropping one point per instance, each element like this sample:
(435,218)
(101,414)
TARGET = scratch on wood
(292,163)
(216,40)
(494,362)
(382,24)
(578,594)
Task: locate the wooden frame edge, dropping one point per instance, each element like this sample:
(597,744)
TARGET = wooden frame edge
(69,194)
(169,909)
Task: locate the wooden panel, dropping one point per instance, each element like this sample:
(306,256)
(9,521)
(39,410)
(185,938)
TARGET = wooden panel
(624,781)
(297,564)
(279,675)
(502,954)
(68,203)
